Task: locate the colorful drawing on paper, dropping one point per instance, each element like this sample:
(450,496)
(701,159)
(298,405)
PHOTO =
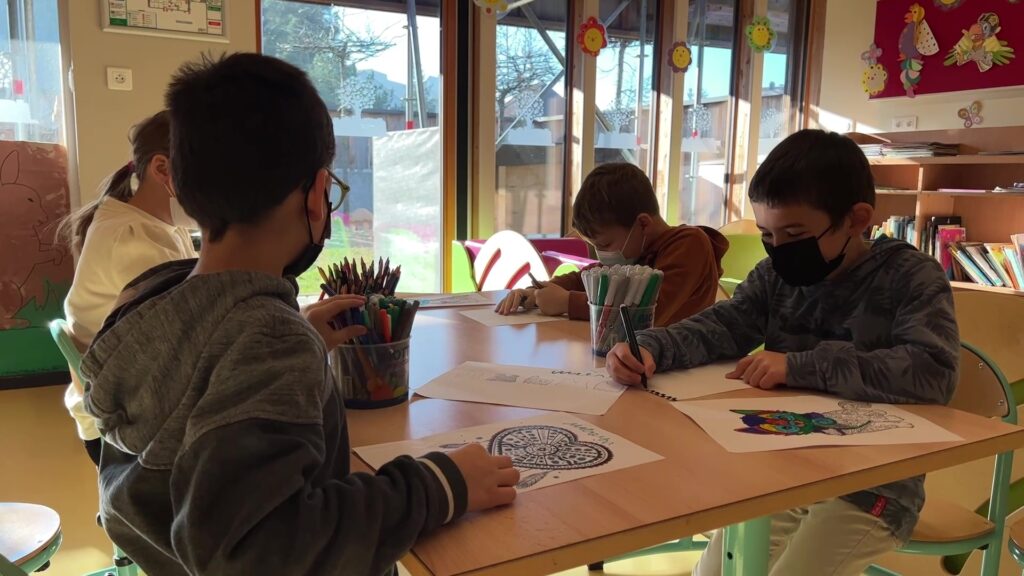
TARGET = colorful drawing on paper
(680,57)
(547,450)
(971,114)
(874,77)
(786,422)
(760,34)
(916,42)
(492,6)
(591,37)
(979,44)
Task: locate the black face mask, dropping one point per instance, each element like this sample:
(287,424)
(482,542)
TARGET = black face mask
(800,263)
(312,250)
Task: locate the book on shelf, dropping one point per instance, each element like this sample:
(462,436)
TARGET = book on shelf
(1016,265)
(947,235)
(998,264)
(995,251)
(898,227)
(967,264)
(980,257)
(930,236)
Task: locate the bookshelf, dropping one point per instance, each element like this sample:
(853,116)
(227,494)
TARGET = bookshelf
(910,186)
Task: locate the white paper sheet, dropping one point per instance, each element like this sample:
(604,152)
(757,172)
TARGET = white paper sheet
(695,382)
(764,424)
(460,300)
(488,317)
(547,450)
(528,387)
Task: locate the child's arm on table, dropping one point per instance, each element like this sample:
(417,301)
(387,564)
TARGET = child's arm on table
(920,368)
(244,483)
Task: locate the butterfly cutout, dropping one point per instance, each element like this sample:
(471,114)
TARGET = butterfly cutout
(971,114)
(871,55)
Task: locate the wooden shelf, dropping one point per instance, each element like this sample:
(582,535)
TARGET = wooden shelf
(949,160)
(972,286)
(896,192)
(985,194)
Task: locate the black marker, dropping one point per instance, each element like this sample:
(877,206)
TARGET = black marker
(634,346)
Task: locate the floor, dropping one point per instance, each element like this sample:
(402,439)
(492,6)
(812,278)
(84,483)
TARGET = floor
(52,469)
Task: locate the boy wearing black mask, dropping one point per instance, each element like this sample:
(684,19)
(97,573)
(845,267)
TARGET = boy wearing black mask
(837,315)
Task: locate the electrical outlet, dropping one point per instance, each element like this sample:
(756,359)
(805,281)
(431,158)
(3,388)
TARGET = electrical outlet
(119,79)
(904,123)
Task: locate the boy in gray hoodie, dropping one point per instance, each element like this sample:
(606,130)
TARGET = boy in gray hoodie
(225,444)
(837,315)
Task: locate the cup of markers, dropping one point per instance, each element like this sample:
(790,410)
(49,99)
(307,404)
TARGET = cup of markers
(373,369)
(611,287)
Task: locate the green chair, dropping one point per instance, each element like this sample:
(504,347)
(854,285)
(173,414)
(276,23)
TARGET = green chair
(61,333)
(30,535)
(947,529)
(745,251)
(462,269)
(7,568)
(1016,543)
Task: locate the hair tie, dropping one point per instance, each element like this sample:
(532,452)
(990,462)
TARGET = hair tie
(130,166)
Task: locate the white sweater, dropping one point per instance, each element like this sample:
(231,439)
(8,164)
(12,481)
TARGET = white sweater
(122,243)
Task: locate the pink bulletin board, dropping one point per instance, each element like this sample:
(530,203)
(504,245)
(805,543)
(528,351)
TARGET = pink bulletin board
(947,20)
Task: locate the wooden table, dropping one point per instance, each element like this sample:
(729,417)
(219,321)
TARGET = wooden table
(697,487)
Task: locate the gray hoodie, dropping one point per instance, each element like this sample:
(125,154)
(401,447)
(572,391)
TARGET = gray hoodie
(226,450)
(882,331)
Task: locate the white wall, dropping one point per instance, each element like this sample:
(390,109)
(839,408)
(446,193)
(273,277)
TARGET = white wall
(104,117)
(849,29)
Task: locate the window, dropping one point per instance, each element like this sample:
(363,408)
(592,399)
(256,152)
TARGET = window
(707,112)
(781,81)
(379,72)
(530,88)
(31,87)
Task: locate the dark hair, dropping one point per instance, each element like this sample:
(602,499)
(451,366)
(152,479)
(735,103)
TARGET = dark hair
(148,138)
(824,170)
(247,130)
(612,194)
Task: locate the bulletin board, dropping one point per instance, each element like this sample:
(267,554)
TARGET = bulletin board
(974,29)
(35,273)
(187,19)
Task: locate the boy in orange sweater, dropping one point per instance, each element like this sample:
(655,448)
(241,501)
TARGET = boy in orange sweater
(617,212)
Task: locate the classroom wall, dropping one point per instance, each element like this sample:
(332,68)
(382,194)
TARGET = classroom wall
(849,29)
(103,116)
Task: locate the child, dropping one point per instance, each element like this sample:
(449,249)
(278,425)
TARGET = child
(134,225)
(871,322)
(226,449)
(616,212)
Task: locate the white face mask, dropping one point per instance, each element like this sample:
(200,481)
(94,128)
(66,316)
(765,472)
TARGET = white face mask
(178,216)
(610,258)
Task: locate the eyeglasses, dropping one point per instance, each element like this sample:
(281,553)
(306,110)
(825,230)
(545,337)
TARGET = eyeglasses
(338,192)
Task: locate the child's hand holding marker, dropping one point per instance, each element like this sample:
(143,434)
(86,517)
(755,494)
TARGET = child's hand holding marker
(516,299)
(625,369)
(321,315)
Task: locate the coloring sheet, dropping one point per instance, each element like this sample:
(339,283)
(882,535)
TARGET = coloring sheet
(458,300)
(547,450)
(764,424)
(528,387)
(488,317)
(695,382)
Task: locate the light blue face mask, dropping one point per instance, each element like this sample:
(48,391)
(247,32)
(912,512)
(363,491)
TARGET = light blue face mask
(616,258)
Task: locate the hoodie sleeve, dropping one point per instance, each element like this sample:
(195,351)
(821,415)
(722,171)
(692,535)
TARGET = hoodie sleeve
(921,366)
(692,270)
(728,329)
(249,485)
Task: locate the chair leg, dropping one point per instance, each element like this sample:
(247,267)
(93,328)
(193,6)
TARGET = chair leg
(596,566)
(123,565)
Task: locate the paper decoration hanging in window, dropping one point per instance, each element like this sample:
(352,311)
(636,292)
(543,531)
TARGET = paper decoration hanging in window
(680,57)
(916,41)
(760,35)
(948,4)
(492,6)
(874,77)
(591,36)
(980,45)
(971,114)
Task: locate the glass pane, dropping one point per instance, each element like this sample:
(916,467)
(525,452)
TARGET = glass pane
(780,89)
(31,87)
(530,91)
(624,71)
(386,125)
(707,112)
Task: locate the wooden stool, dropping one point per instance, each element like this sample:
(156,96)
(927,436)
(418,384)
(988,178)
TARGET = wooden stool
(29,535)
(1016,543)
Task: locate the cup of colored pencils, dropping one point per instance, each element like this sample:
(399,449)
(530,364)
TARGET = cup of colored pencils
(608,289)
(373,369)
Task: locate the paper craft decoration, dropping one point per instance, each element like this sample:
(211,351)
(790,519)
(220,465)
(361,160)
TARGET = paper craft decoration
(680,57)
(591,36)
(764,424)
(760,34)
(488,317)
(529,387)
(948,4)
(874,77)
(916,41)
(547,450)
(456,300)
(971,114)
(979,44)
(492,6)
(695,382)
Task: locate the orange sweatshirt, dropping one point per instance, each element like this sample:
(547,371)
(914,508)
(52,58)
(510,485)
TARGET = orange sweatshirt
(690,257)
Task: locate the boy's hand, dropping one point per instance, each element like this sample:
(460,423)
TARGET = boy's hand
(524,297)
(490,480)
(625,369)
(552,300)
(765,370)
(319,314)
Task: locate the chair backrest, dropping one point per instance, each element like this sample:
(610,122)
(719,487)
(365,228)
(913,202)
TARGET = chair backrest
(740,227)
(982,388)
(504,260)
(995,324)
(61,333)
